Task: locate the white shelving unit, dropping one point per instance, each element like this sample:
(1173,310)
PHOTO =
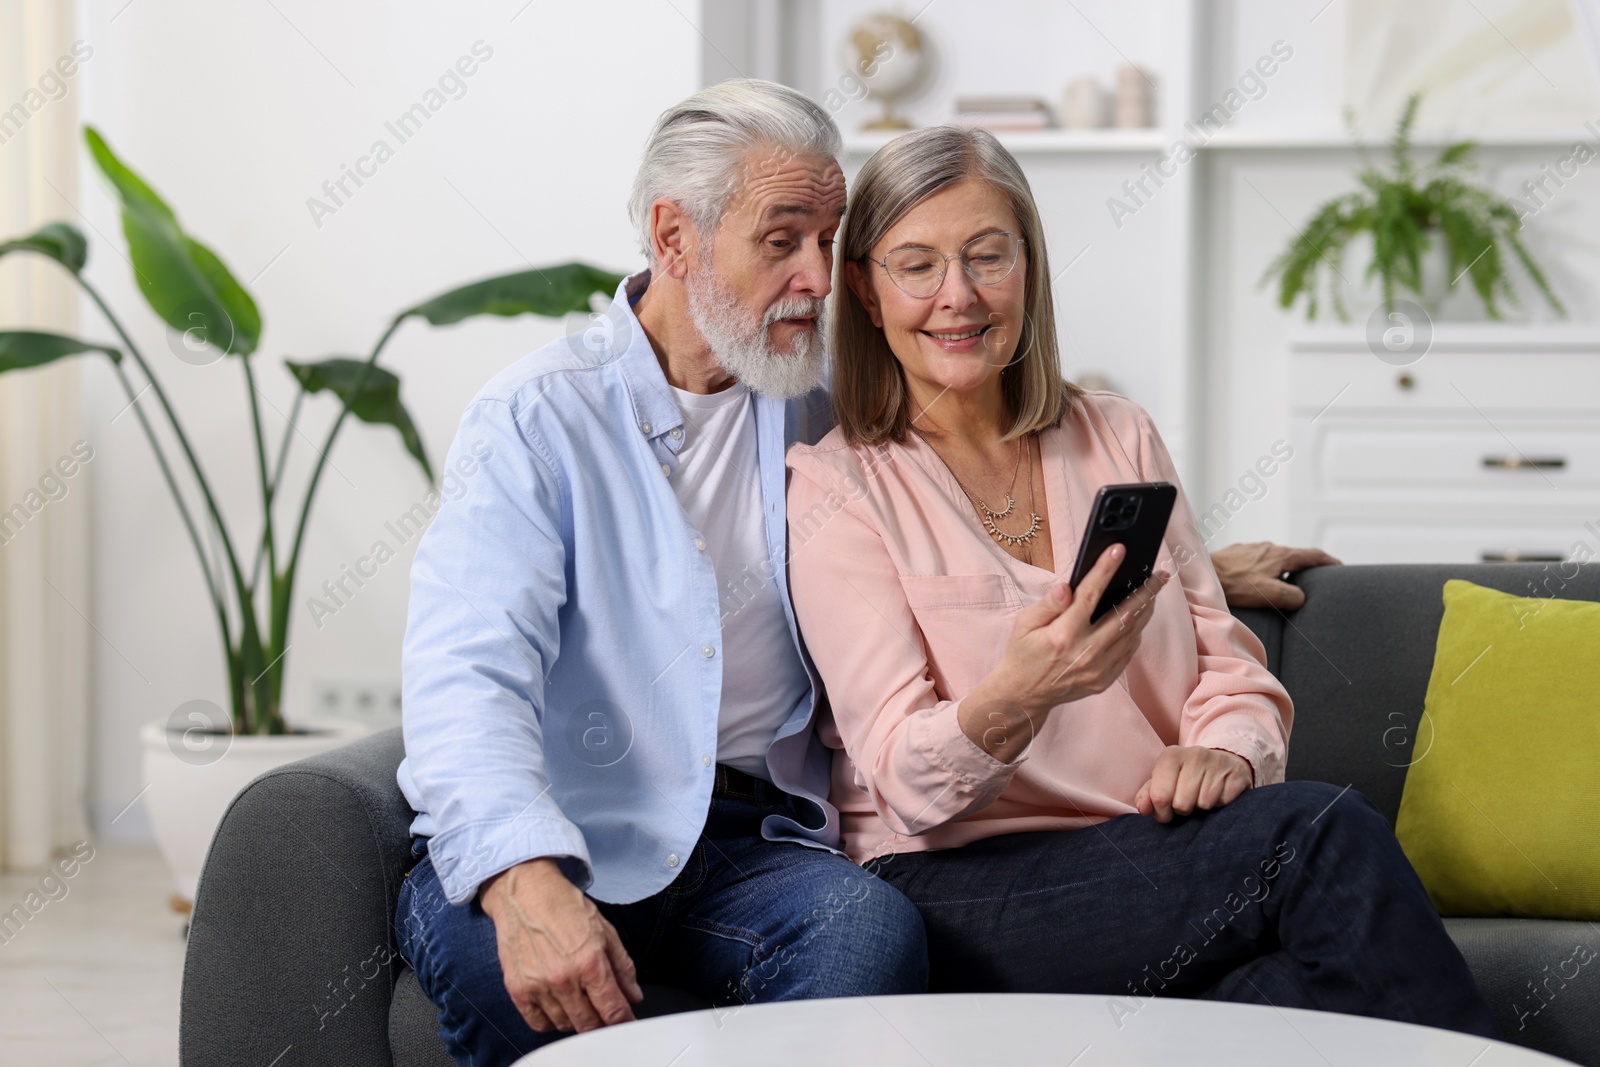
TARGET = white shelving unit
(1165,303)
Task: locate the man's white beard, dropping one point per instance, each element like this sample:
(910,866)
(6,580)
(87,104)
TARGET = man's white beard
(742,343)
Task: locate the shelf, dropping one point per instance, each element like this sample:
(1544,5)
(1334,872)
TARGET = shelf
(1067,142)
(1060,141)
(1378,145)
(1456,336)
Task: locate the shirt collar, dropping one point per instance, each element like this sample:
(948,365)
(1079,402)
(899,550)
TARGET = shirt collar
(654,409)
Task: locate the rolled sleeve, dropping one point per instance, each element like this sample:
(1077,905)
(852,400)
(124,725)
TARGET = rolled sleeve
(466,856)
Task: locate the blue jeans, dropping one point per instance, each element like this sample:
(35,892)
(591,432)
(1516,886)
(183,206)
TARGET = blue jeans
(747,920)
(1296,894)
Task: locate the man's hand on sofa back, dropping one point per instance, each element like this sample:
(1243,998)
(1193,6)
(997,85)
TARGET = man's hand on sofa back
(1252,574)
(564,966)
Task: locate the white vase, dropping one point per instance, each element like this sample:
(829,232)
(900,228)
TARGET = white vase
(193,777)
(1083,105)
(1441,300)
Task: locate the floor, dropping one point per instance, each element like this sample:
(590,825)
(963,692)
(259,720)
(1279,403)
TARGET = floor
(92,977)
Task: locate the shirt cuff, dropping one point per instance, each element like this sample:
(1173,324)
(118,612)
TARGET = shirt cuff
(1246,743)
(1255,772)
(466,856)
(949,748)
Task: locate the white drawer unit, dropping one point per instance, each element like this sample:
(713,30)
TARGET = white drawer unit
(1486,449)
(1357,540)
(1449,458)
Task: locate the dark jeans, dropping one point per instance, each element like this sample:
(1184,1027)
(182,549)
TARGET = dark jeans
(1295,895)
(748,920)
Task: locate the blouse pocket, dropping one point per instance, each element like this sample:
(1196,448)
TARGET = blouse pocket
(938,592)
(965,620)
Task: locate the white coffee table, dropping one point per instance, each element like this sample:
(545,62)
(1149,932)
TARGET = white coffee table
(1022,1030)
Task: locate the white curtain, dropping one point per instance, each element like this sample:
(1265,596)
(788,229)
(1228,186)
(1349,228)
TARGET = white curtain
(1484,66)
(44,565)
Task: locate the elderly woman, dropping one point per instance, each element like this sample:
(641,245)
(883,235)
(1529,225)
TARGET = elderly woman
(1072,807)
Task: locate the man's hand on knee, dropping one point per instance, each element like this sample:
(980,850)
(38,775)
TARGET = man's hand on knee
(1187,777)
(564,966)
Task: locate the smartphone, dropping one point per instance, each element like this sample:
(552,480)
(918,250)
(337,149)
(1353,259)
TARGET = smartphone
(1134,516)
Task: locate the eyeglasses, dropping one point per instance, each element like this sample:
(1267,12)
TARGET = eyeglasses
(919,272)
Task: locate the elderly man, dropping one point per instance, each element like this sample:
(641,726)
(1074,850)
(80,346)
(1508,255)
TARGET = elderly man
(608,711)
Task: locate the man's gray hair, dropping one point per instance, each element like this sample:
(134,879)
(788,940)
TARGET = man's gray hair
(694,154)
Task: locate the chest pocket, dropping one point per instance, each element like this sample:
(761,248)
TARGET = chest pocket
(965,620)
(953,592)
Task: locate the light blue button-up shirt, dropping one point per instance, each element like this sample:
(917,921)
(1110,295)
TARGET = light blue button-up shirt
(563,653)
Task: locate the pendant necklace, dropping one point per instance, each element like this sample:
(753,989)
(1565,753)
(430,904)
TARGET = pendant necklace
(988,515)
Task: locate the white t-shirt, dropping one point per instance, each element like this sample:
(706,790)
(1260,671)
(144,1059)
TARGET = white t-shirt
(718,483)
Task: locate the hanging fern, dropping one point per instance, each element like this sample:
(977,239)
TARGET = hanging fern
(1405,210)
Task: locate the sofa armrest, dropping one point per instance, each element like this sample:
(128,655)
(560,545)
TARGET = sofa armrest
(291,959)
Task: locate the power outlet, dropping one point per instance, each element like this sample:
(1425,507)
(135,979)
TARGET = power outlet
(375,704)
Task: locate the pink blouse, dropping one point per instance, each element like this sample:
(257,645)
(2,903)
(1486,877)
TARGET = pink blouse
(906,603)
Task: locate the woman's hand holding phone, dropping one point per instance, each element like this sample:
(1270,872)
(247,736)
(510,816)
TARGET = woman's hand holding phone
(1055,655)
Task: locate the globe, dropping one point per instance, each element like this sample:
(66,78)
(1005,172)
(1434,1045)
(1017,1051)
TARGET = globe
(885,55)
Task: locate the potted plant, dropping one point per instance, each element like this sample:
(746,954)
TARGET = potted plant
(1417,218)
(250,582)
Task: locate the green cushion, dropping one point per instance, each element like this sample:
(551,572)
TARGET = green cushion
(1501,811)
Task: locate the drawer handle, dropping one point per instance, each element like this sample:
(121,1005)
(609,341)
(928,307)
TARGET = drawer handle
(1521,462)
(1513,556)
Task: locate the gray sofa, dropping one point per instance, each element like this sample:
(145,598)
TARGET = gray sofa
(290,959)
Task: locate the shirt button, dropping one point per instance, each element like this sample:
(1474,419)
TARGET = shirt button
(666,469)
(672,859)
(705,761)
(707,651)
(700,543)
(677,432)
(644,427)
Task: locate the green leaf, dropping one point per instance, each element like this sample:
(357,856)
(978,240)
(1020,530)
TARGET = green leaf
(1401,145)
(377,403)
(549,291)
(183,280)
(20,349)
(1457,154)
(1317,250)
(1509,224)
(61,241)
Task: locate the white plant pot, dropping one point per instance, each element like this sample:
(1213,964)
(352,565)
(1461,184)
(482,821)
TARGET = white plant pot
(1442,301)
(192,778)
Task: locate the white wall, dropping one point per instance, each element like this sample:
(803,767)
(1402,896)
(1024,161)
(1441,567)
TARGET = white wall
(237,115)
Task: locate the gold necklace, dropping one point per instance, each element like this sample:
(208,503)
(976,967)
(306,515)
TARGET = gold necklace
(988,514)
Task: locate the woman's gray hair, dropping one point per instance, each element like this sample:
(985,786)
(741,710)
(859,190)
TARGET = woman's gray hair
(694,154)
(870,397)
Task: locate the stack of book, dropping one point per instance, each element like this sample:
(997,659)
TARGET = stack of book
(1004,112)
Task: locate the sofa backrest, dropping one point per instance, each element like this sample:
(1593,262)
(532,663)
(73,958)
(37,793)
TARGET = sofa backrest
(1357,656)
